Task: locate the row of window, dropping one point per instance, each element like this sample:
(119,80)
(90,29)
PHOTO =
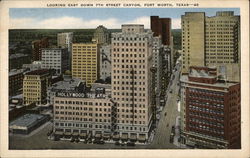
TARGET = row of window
(128,99)
(204,130)
(129,38)
(206,116)
(129,44)
(218,112)
(79,103)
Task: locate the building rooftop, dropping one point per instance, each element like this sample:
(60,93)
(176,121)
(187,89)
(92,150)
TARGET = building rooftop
(27,120)
(38,72)
(68,84)
(184,78)
(18,55)
(16,71)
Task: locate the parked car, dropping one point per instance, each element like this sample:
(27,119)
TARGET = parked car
(130,144)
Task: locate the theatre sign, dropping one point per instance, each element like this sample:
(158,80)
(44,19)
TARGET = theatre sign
(70,95)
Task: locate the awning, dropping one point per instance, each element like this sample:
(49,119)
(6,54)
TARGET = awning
(116,136)
(83,134)
(98,135)
(106,135)
(133,137)
(142,137)
(59,133)
(75,134)
(124,136)
(67,133)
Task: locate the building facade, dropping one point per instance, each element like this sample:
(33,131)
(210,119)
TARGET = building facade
(35,84)
(16,81)
(210,110)
(37,48)
(17,60)
(161,27)
(102,35)
(131,80)
(211,41)
(73,85)
(105,61)
(55,58)
(83,115)
(86,61)
(65,40)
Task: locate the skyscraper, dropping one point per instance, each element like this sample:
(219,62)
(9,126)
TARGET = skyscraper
(161,27)
(131,80)
(211,41)
(85,61)
(65,40)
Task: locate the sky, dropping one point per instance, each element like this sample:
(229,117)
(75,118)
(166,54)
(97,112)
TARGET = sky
(111,18)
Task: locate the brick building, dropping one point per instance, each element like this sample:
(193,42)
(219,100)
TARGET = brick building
(210,110)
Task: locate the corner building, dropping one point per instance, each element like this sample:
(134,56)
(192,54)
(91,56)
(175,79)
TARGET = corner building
(210,110)
(131,80)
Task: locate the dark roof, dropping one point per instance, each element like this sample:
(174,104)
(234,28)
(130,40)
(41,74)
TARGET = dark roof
(38,72)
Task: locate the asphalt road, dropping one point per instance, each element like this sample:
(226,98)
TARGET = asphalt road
(163,131)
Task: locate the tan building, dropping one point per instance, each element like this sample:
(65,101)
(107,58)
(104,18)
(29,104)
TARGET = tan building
(35,84)
(85,62)
(193,40)
(212,41)
(102,35)
(131,80)
(83,115)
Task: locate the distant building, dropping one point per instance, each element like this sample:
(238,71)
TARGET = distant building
(35,65)
(211,41)
(55,58)
(210,110)
(102,35)
(16,81)
(80,115)
(65,40)
(131,81)
(73,85)
(16,61)
(35,84)
(161,27)
(86,62)
(37,48)
(105,61)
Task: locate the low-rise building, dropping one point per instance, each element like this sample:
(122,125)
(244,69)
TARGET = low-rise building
(35,84)
(17,60)
(16,81)
(84,114)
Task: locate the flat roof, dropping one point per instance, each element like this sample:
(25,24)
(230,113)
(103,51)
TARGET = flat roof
(27,120)
(38,72)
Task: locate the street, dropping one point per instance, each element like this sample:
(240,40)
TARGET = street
(163,131)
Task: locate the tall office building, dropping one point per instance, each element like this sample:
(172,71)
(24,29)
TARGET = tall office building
(131,80)
(193,40)
(161,27)
(102,35)
(86,61)
(37,48)
(210,110)
(65,40)
(211,41)
(35,84)
(55,58)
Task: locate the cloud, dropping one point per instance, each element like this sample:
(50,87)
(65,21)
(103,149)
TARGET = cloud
(176,23)
(68,22)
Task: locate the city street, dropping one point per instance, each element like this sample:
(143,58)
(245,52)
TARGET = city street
(163,131)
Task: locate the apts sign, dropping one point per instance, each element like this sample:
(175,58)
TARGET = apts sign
(70,95)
